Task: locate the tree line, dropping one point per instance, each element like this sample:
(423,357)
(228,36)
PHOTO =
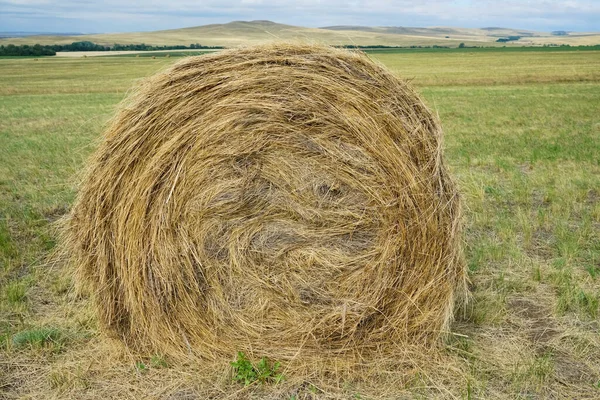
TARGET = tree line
(26,50)
(50,50)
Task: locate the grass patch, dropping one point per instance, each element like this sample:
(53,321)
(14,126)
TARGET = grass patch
(15,292)
(160,54)
(573,298)
(38,338)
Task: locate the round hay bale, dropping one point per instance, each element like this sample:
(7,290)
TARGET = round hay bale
(288,200)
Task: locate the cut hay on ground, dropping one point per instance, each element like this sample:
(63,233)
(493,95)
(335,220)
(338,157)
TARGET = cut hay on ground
(289,201)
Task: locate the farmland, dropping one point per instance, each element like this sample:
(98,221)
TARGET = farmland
(238,33)
(522,133)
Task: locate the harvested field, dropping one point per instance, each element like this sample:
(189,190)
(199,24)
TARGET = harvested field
(520,139)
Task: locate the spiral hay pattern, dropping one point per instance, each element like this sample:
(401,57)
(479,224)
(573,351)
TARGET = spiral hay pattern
(285,200)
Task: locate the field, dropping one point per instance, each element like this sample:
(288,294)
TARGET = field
(522,139)
(255,32)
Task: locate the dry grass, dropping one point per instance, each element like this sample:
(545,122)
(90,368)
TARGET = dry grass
(239,33)
(523,150)
(288,201)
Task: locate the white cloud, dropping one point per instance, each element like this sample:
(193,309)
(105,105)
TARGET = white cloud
(115,15)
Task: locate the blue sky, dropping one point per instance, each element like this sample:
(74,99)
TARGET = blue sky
(146,15)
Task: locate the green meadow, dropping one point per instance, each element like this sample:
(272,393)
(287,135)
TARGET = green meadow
(522,139)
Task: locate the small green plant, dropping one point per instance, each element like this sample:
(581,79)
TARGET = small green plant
(263,372)
(39,338)
(243,369)
(140,367)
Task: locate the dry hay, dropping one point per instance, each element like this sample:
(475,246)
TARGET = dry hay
(289,201)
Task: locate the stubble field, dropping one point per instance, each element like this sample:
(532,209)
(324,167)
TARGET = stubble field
(522,138)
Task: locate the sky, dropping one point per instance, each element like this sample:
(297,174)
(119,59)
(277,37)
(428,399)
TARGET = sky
(87,16)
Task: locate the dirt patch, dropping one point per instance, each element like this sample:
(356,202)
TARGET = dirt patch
(525,168)
(573,371)
(526,308)
(542,333)
(593,197)
(539,200)
(54,213)
(537,321)
(541,244)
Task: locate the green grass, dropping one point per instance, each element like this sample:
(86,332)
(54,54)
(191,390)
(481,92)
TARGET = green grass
(461,70)
(159,54)
(481,49)
(39,338)
(15,292)
(522,133)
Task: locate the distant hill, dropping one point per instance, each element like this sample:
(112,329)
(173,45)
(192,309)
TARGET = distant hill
(23,34)
(254,32)
(437,31)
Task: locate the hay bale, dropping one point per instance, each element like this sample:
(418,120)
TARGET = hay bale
(288,200)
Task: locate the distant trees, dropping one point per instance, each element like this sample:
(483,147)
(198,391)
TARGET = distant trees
(26,50)
(508,39)
(50,50)
(560,33)
(382,46)
(149,47)
(80,46)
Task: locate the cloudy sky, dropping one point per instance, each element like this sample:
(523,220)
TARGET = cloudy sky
(89,16)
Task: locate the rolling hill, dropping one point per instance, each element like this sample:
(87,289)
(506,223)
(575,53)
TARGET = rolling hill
(254,32)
